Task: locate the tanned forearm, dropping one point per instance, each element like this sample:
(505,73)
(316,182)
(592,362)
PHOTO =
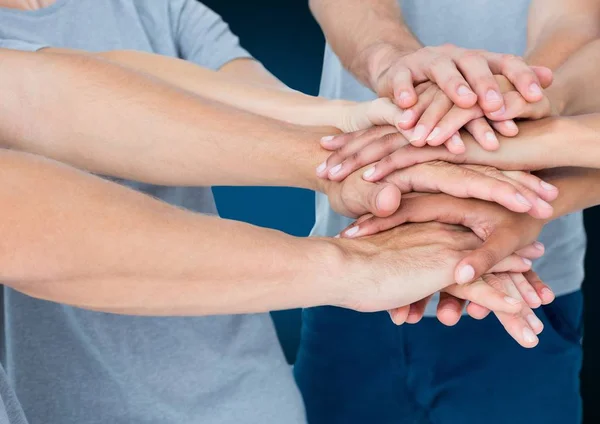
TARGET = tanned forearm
(561,36)
(111,120)
(77,239)
(363,32)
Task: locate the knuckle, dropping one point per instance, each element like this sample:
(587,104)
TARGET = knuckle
(488,257)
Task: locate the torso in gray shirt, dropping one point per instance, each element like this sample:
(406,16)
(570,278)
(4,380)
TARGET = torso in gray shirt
(70,366)
(479,24)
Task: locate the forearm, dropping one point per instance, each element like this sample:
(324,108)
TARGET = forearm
(110,120)
(269,100)
(559,33)
(545,143)
(74,238)
(579,189)
(363,32)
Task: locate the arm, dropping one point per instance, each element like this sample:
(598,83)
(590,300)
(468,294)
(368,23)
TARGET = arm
(562,35)
(269,100)
(373,42)
(74,238)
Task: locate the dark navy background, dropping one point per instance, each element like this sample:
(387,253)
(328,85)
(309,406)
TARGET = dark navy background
(286,39)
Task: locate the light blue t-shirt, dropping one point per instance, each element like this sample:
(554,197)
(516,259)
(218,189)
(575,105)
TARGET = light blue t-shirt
(70,366)
(498,26)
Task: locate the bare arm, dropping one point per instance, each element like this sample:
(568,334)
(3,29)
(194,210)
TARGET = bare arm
(243,91)
(563,35)
(75,238)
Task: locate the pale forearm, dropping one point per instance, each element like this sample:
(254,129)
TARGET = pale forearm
(362,32)
(546,143)
(108,119)
(269,100)
(74,238)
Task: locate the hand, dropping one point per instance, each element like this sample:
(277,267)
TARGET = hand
(435,120)
(408,263)
(523,326)
(390,150)
(465,76)
(518,191)
(504,232)
(352,116)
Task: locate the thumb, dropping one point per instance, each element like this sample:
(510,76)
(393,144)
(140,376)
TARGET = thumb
(383,199)
(384,112)
(544,75)
(498,246)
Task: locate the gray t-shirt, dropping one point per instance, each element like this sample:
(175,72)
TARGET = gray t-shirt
(473,24)
(70,366)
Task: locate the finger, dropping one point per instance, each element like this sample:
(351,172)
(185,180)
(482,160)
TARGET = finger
(369,154)
(544,75)
(487,295)
(410,116)
(498,246)
(518,73)
(421,209)
(399,315)
(382,200)
(449,309)
(464,182)
(350,144)
(507,128)
(426,131)
(544,292)
(477,311)
(533,251)
(519,328)
(454,120)
(443,71)
(417,310)
(512,263)
(334,142)
(455,144)
(477,72)
(483,133)
(406,157)
(382,112)
(517,107)
(545,190)
(403,89)
(527,291)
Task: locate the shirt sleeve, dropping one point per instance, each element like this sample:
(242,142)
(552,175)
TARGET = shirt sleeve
(20,45)
(203,37)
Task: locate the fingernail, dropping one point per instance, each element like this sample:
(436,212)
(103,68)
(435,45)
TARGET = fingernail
(351,231)
(407,116)
(534,322)
(404,95)
(547,186)
(535,89)
(527,261)
(436,131)
(335,169)
(369,172)
(321,167)
(529,336)
(491,138)
(511,125)
(520,199)
(511,300)
(465,274)
(499,112)
(418,133)
(456,140)
(463,90)
(327,138)
(493,96)
(546,292)
(543,204)
(538,245)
